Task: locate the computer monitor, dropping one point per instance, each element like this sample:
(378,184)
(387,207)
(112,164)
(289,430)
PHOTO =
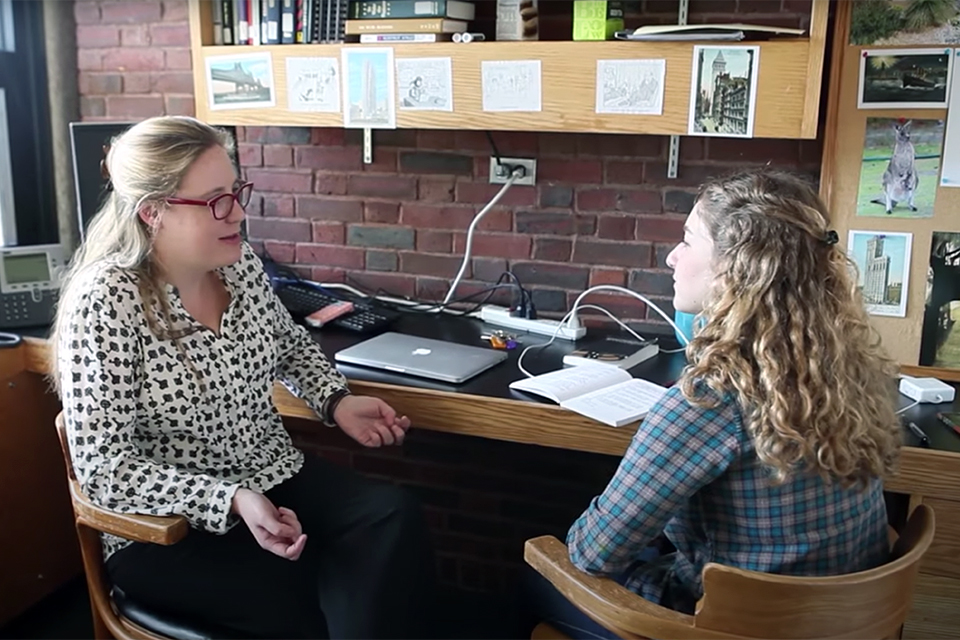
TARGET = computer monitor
(87,140)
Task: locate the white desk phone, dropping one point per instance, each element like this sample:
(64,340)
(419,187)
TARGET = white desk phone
(29,284)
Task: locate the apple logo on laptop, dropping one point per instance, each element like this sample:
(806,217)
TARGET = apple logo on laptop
(421,352)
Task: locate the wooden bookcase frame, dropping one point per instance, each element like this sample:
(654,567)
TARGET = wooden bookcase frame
(788,90)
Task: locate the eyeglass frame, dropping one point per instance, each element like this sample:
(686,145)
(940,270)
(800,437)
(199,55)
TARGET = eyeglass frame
(212,202)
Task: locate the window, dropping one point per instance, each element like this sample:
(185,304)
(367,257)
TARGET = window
(7,41)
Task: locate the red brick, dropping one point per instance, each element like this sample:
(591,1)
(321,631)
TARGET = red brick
(86,12)
(329,158)
(180,105)
(134,106)
(277,155)
(436,189)
(281,251)
(282,181)
(516,143)
(279,229)
(688,175)
(384,161)
(136,82)
(478,193)
(563,276)
(326,274)
(619,172)
(172,82)
(599,252)
(436,139)
(96,36)
(393,283)
(496,245)
(713,6)
(130,12)
(431,241)
(175,11)
(402,188)
(797,6)
(328,233)
(90,60)
(692,148)
(330,184)
(660,228)
(616,227)
(557,144)
(612,144)
(472,140)
(431,264)
(640,201)
(92,107)
(328,136)
(578,171)
(390,137)
(652,282)
(552,249)
(135,36)
(100,83)
(421,216)
(382,212)
(597,199)
(250,155)
(331,256)
(759,6)
(275,206)
(754,150)
(601,275)
(621,305)
(323,208)
(170,35)
(255,206)
(133,59)
(488,269)
(177,59)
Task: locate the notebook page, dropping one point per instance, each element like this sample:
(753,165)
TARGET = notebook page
(620,404)
(562,384)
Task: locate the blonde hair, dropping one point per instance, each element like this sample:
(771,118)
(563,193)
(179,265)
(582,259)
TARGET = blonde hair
(787,334)
(146,163)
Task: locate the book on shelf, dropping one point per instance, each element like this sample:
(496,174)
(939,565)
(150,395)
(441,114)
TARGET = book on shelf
(378,9)
(405,25)
(606,394)
(385,38)
(732,31)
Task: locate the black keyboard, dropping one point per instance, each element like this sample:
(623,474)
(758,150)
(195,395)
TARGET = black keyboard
(302,300)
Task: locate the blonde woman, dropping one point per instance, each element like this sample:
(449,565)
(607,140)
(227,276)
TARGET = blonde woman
(168,340)
(769,453)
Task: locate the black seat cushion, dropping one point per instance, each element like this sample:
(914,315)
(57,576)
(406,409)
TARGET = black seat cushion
(176,627)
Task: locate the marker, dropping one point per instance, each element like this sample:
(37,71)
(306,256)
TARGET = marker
(917,431)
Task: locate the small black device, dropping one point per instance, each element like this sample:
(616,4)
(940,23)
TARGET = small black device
(302,299)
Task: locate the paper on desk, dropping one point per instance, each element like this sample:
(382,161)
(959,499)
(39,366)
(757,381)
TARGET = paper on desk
(510,85)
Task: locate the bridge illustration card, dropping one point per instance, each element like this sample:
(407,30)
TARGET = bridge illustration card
(723,91)
(940,335)
(904,78)
(243,81)
(883,266)
(900,168)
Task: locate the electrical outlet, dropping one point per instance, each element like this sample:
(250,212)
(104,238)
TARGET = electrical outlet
(499,172)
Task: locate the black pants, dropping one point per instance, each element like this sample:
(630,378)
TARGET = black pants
(366,571)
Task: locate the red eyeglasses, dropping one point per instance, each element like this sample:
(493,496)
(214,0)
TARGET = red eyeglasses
(221,205)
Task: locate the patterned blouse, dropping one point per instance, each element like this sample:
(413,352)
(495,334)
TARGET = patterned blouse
(145,435)
(693,474)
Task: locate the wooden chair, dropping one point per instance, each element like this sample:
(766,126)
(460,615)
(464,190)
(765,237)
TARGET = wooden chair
(114,615)
(748,604)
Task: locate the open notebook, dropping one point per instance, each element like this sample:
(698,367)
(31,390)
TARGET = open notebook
(607,394)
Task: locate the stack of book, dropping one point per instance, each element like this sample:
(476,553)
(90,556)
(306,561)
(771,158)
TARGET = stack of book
(255,22)
(385,21)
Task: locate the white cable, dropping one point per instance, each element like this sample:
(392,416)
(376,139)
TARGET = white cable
(514,176)
(612,287)
(909,406)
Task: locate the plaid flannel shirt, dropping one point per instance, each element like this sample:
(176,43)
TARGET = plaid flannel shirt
(693,474)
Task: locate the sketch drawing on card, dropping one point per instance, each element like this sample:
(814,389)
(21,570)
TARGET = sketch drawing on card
(511,85)
(630,86)
(313,84)
(425,84)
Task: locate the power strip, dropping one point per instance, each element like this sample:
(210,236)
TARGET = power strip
(500,316)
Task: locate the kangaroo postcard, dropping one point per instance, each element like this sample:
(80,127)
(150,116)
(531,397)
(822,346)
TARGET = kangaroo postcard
(900,169)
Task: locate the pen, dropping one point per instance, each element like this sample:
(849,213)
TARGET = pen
(917,431)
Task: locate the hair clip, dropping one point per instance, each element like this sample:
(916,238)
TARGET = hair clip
(831,238)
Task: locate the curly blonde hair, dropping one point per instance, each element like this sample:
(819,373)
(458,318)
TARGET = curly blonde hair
(787,334)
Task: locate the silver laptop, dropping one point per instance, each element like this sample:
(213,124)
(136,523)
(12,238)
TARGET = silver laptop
(436,359)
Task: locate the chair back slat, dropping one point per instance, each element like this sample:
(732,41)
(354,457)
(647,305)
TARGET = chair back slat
(867,604)
(65,445)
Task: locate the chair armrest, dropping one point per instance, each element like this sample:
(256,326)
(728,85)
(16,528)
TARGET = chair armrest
(165,530)
(610,604)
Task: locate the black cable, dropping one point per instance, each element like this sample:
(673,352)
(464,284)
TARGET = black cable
(493,145)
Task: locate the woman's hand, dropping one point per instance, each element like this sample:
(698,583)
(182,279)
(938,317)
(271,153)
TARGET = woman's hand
(276,530)
(370,421)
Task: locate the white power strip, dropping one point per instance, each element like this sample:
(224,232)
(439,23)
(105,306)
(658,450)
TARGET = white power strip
(500,316)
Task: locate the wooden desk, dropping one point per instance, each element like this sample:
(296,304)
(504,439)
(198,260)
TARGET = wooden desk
(929,477)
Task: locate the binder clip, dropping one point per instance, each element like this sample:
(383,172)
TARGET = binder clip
(500,339)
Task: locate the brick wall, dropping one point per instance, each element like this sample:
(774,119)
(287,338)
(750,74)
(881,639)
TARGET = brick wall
(603,211)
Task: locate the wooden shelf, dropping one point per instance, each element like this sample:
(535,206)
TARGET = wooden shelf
(788,89)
